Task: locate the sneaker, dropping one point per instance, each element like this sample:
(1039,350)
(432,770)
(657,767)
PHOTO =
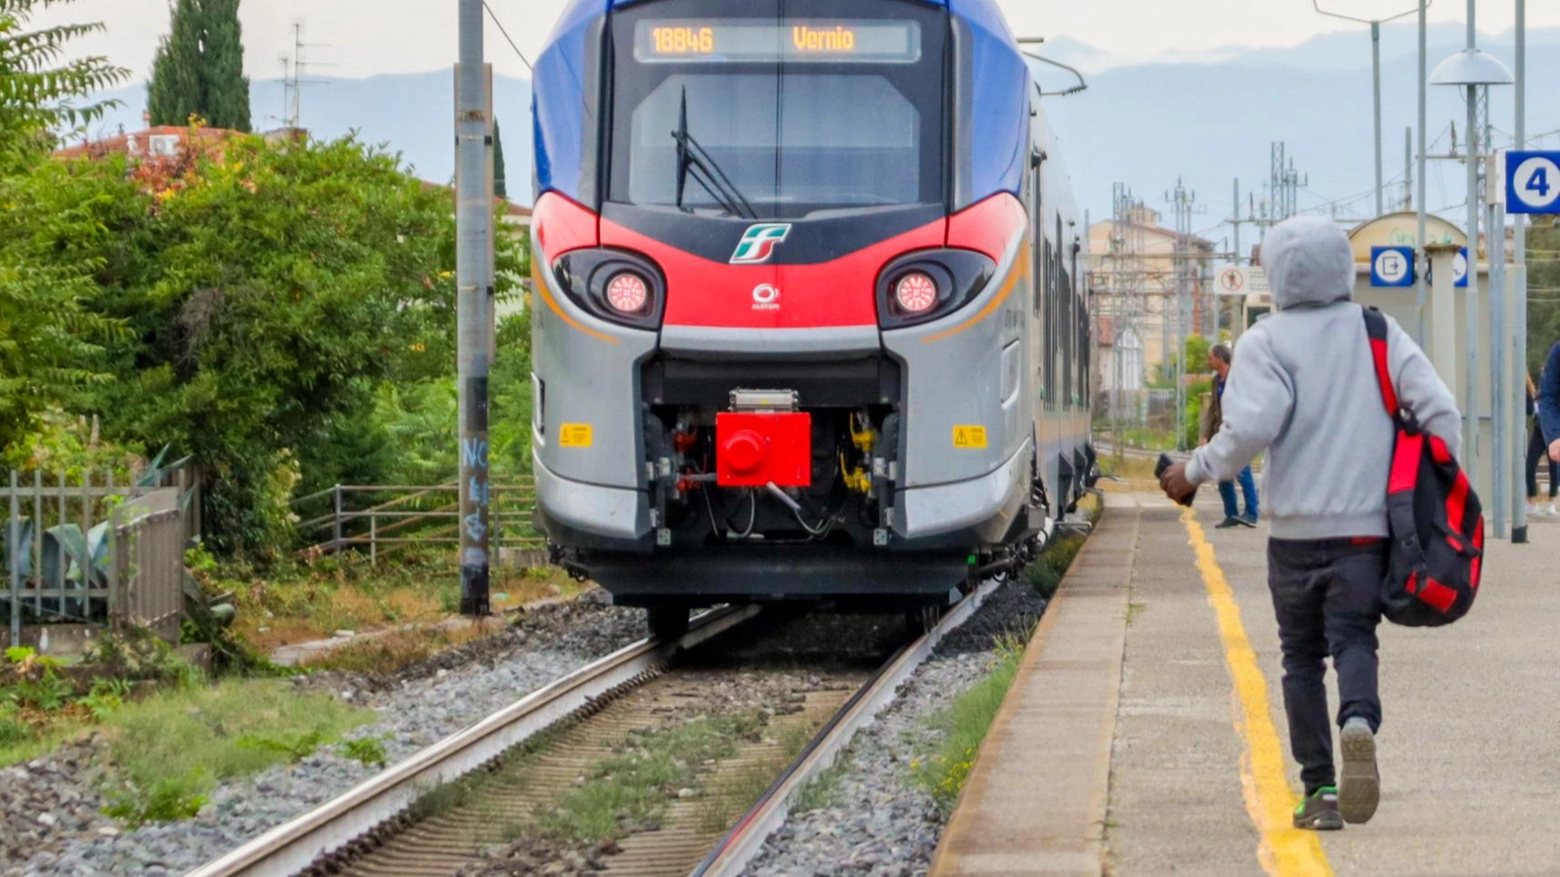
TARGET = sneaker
(1318,811)
(1359,786)
(1533,510)
(1249,521)
(1227,524)
(1552,509)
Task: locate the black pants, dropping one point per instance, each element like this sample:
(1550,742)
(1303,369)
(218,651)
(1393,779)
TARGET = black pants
(1537,453)
(1328,598)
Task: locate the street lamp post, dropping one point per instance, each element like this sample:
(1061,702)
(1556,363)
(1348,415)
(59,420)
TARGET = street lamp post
(1474,71)
(1375,44)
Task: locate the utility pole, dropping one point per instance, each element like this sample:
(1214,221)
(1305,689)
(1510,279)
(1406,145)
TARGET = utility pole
(1519,317)
(474,303)
(1421,287)
(1470,391)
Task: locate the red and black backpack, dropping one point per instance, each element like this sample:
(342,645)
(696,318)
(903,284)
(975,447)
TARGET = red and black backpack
(1435,519)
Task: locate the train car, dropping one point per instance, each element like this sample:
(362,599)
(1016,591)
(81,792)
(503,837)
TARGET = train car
(808,308)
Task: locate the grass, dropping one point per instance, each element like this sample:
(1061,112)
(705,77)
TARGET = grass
(634,787)
(823,792)
(964,725)
(170,750)
(1046,573)
(732,794)
(300,602)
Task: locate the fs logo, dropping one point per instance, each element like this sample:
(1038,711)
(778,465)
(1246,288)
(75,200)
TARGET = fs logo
(759,243)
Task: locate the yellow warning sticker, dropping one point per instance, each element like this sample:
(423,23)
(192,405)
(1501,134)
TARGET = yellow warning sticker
(576,435)
(969,438)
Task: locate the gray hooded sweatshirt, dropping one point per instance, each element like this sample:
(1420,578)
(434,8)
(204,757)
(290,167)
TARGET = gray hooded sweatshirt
(1303,388)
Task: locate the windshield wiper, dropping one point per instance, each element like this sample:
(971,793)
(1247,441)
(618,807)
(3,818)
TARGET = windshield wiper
(693,161)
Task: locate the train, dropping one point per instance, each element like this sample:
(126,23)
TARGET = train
(809,319)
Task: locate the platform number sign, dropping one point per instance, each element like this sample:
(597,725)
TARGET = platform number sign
(1460,270)
(1392,266)
(1533,182)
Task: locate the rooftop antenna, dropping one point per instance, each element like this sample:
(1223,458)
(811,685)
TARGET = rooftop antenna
(293,81)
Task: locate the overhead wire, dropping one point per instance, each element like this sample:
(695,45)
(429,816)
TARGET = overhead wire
(500,25)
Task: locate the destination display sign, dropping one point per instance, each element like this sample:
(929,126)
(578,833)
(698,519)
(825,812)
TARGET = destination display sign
(686,41)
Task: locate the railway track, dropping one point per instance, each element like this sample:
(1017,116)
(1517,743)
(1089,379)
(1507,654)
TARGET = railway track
(381,828)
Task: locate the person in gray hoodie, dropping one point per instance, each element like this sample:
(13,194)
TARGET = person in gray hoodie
(1304,389)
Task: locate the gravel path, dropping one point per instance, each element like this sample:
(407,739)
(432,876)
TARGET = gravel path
(877,823)
(417,708)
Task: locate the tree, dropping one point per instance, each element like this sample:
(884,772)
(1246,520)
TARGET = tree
(47,338)
(199,69)
(500,188)
(38,95)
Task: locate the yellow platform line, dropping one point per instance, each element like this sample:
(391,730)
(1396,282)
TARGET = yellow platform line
(1284,851)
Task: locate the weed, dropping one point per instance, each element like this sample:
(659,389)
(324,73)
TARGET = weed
(964,725)
(392,652)
(821,793)
(733,793)
(13,730)
(368,751)
(1046,573)
(1135,611)
(171,799)
(293,747)
(634,786)
(207,735)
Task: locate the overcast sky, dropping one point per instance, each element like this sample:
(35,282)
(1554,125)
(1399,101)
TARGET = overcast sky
(360,38)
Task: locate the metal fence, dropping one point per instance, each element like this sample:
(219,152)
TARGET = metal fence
(83,551)
(383,519)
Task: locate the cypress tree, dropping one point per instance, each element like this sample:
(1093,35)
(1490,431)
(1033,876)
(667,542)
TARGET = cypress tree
(225,87)
(499,188)
(199,69)
(174,94)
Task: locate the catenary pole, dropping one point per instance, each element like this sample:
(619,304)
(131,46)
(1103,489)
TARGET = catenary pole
(1519,316)
(474,298)
(1375,50)
(1471,294)
(1419,191)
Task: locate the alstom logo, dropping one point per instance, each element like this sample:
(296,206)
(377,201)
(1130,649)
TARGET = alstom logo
(759,242)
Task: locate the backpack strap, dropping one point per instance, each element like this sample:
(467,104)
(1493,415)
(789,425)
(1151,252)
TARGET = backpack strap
(1376,330)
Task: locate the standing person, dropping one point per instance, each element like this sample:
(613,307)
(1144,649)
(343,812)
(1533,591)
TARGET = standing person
(1538,451)
(1212,420)
(1304,388)
(1549,402)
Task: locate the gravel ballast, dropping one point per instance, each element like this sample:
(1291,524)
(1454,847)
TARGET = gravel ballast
(416,708)
(877,822)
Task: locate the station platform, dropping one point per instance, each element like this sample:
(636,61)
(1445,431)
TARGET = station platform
(1145,732)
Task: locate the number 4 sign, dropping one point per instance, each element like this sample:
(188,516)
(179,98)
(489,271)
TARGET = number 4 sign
(1533,182)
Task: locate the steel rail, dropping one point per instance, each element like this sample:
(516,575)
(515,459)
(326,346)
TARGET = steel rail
(742,844)
(295,845)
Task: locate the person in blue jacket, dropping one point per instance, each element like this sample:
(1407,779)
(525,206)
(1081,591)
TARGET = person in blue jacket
(1549,403)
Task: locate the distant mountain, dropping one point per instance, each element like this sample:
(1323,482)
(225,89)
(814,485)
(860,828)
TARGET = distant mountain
(1205,119)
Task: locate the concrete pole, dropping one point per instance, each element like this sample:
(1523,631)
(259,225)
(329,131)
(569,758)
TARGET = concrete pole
(1375,51)
(1419,194)
(1499,471)
(1443,312)
(474,298)
(1519,310)
(1471,296)
(1408,168)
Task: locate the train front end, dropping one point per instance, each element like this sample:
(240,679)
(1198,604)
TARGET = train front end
(784,334)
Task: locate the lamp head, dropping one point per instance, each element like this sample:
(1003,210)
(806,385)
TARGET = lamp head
(1471,67)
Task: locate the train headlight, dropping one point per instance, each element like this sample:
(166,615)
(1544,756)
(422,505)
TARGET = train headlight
(927,285)
(618,286)
(916,292)
(628,293)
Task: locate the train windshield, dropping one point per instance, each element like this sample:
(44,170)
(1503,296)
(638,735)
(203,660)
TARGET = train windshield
(813,105)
